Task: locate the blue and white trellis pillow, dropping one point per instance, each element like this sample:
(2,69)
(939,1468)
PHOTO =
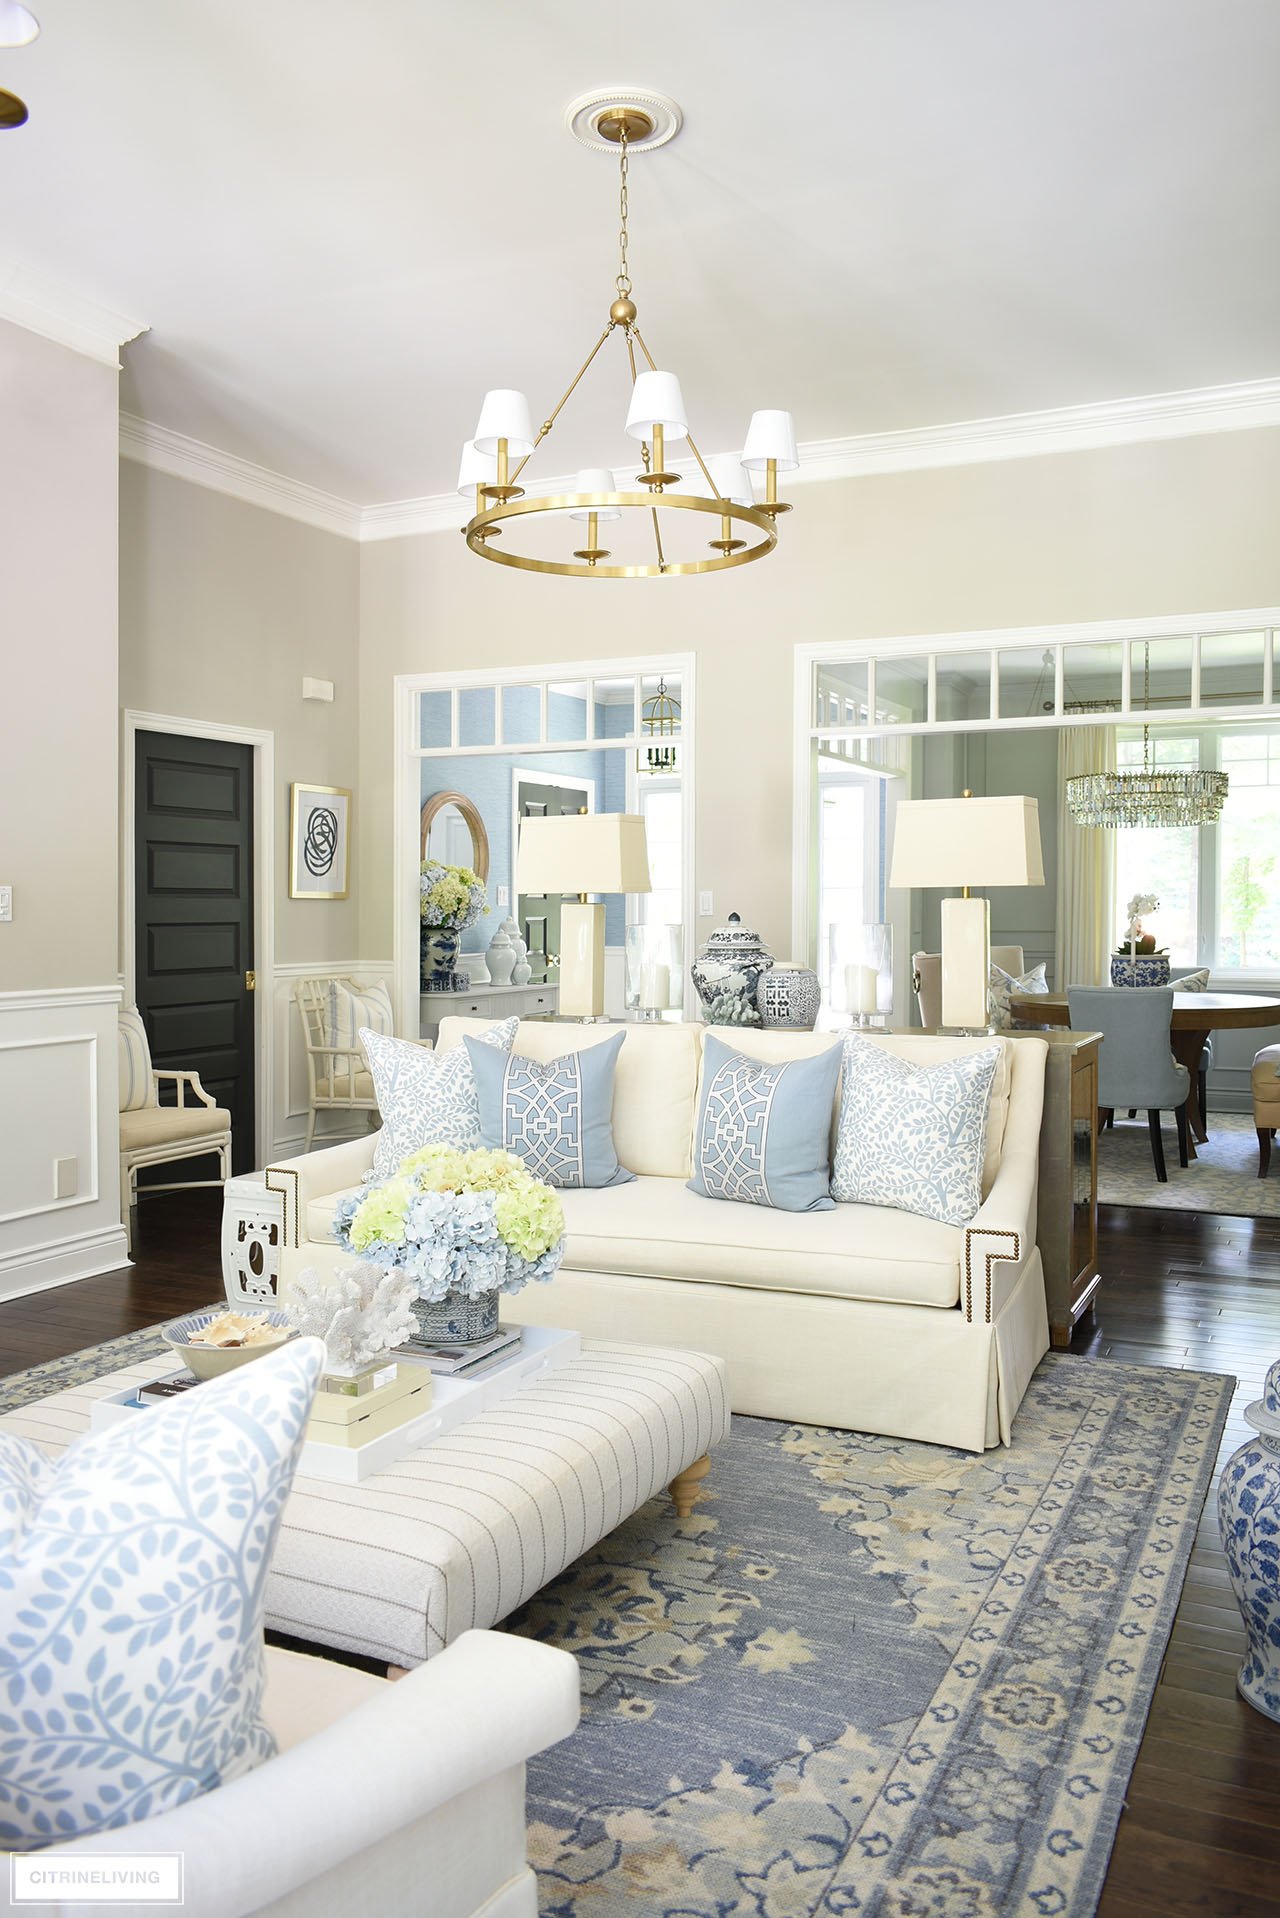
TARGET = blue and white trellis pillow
(425,1097)
(557,1116)
(764,1130)
(133,1572)
(912,1137)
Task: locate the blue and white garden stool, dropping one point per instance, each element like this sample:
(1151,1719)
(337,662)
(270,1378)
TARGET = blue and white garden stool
(1249,1520)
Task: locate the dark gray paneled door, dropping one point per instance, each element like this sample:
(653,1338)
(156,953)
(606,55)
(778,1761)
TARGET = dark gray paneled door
(193,852)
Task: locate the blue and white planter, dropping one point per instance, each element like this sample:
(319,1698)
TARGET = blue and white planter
(1249,1521)
(1144,969)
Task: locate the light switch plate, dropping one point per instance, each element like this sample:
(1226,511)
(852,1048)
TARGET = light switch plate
(706,906)
(503,897)
(6,902)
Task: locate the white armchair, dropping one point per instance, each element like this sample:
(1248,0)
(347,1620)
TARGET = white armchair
(155,1134)
(338,1077)
(386,1799)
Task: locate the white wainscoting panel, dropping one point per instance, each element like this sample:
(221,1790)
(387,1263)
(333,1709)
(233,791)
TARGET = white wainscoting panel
(59,1076)
(289,1097)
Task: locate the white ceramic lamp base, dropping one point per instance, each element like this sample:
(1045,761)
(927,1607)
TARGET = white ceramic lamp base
(966,963)
(581,961)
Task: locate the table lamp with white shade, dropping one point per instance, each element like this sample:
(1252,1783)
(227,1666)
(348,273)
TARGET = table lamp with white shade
(967,842)
(582,853)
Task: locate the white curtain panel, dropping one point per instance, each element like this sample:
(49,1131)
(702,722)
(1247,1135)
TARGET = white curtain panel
(1084,931)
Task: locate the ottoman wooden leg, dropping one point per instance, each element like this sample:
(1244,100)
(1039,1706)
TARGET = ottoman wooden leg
(1264,1162)
(685,1488)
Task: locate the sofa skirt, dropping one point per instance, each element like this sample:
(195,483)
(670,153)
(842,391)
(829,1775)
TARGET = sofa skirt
(906,1371)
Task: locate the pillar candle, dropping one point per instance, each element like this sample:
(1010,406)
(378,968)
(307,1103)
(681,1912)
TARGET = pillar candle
(862,987)
(655,987)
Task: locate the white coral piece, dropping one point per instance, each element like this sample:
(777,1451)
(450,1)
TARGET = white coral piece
(360,1311)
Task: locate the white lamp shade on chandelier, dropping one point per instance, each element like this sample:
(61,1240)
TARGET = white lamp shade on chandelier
(656,400)
(730,477)
(595,479)
(476,469)
(771,436)
(505,416)
(18,25)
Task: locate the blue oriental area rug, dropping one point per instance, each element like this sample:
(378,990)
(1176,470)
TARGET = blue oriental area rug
(873,1677)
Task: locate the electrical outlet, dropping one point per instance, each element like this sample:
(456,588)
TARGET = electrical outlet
(66,1178)
(504,898)
(706,906)
(6,902)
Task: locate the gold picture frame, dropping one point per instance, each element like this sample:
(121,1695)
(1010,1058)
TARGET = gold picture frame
(319,841)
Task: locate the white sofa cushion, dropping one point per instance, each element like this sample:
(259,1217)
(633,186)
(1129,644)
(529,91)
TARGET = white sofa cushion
(658,1228)
(912,1136)
(653,1088)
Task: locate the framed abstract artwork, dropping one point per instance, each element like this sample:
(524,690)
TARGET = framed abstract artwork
(319,841)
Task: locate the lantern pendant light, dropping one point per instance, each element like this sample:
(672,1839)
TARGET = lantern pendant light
(504,440)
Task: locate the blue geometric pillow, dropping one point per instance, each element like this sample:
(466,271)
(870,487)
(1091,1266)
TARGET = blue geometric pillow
(763,1132)
(558,1117)
(133,1572)
(912,1137)
(425,1097)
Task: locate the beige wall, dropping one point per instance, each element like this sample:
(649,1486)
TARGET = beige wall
(58,641)
(223,608)
(1172,527)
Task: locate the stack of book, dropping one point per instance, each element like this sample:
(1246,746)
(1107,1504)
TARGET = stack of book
(465,1361)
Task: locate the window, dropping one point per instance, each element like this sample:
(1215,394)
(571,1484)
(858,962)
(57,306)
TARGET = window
(850,854)
(661,805)
(1218,886)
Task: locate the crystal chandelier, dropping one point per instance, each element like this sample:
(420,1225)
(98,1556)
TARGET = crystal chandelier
(1156,796)
(504,442)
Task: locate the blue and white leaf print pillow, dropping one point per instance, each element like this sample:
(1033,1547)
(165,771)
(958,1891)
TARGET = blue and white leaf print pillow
(132,1579)
(912,1137)
(425,1097)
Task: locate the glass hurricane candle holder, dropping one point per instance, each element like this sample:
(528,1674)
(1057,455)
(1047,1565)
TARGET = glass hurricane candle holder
(861,973)
(655,968)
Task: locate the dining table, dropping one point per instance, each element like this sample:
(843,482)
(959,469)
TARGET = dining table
(1195,1016)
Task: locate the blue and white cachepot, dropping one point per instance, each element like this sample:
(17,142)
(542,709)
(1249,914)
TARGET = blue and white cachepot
(1249,1521)
(1144,969)
(727,974)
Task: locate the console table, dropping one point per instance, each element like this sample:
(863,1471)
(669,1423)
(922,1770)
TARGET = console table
(487,1002)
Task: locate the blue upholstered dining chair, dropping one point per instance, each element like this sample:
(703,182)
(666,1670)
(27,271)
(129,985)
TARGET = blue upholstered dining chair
(1200,974)
(1136,1067)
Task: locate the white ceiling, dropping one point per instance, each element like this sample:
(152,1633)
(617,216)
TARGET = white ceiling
(343,222)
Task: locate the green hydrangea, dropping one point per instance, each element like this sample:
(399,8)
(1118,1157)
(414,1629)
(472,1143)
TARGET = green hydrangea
(528,1214)
(381,1216)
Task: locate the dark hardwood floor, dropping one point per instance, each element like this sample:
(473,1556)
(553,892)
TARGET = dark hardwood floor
(1200,1834)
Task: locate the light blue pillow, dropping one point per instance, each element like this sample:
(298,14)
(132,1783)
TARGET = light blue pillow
(763,1131)
(425,1097)
(133,1573)
(910,1136)
(558,1117)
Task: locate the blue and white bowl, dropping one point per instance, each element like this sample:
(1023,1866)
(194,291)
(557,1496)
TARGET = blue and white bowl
(211,1361)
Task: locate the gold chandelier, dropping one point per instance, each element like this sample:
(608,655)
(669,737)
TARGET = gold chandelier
(504,442)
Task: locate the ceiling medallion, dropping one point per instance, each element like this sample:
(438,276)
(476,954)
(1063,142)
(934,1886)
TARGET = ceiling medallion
(1155,797)
(627,120)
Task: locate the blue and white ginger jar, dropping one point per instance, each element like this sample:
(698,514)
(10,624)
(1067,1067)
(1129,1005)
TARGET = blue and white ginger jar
(1143,969)
(727,974)
(1249,1521)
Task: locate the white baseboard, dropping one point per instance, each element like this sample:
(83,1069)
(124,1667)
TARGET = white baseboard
(61,1261)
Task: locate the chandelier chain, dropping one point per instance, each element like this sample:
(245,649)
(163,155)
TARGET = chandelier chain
(623,281)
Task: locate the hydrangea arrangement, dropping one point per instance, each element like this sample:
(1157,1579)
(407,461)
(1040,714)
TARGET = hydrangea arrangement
(450,896)
(457,1223)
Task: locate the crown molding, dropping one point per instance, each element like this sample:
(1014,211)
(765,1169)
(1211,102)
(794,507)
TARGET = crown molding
(1063,429)
(188,459)
(42,305)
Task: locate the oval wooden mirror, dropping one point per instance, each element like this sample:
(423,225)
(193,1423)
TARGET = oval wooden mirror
(449,821)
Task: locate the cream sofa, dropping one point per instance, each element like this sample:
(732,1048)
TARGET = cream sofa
(861,1317)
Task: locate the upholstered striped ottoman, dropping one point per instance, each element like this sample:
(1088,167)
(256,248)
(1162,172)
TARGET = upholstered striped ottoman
(463,1531)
